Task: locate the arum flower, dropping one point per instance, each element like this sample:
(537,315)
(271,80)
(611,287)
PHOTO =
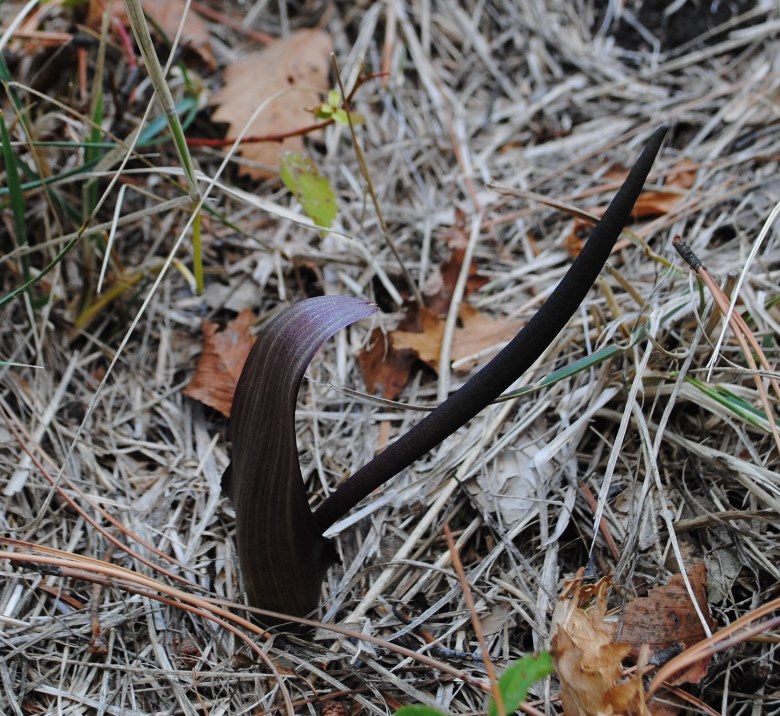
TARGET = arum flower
(282,552)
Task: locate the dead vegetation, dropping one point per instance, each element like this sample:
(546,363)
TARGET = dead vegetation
(486,111)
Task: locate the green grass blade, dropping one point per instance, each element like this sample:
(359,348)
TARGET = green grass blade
(157,76)
(15,194)
(91,154)
(11,295)
(733,403)
(197,253)
(590,360)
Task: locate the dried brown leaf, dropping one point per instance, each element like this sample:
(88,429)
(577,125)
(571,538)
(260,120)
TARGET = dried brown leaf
(195,35)
(299,63)
(588,660)
(476,332)
(223,357)
(649,204)
(666,617)
(167,14)
(385,369)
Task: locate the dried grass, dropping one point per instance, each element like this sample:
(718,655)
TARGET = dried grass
(529,95)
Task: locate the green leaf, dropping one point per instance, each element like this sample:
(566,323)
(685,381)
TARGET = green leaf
(737,405)
(301,176)
(334,98)
(517,679)
(418,711)
(340,116)
(16,195)
(324,112)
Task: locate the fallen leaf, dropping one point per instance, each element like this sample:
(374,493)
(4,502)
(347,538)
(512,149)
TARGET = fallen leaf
(223,357)
(387,364)
(439,288)
(96,10)
(302,177)
(167,14)
(298,63)
(682,175)
(588,660)
(649,204)
(195,35)
(385,369)
(666,617)
(476,332)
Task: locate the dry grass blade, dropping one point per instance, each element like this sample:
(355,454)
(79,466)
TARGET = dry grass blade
(85,568)
(111,519)
(91,569)
(743,334)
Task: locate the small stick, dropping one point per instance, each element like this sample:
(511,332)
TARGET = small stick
(591,500)
(491,671)
(361,157)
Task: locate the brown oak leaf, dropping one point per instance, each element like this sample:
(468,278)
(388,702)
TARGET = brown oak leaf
(476,332)
(298,63)
(385,368)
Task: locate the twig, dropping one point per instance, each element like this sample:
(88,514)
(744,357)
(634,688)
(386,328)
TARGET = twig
(469,599)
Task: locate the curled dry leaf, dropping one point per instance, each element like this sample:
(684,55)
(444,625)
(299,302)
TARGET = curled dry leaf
(223,357)
(588,660)
(298,63)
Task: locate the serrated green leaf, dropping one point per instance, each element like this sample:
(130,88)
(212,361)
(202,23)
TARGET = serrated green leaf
(418,711)
(301,176)
(517,679)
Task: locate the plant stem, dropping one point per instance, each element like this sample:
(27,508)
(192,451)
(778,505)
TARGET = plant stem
(163,92)
(511,362)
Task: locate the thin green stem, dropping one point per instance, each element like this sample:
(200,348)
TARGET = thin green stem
(15,194)
(157,76)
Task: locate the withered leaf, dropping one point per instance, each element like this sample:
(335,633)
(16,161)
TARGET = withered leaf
(476,332)
(385,369)
(649,204)
(223,357)
(387,363)
(298,63)
(168,13)
(666,617)
(588,660)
